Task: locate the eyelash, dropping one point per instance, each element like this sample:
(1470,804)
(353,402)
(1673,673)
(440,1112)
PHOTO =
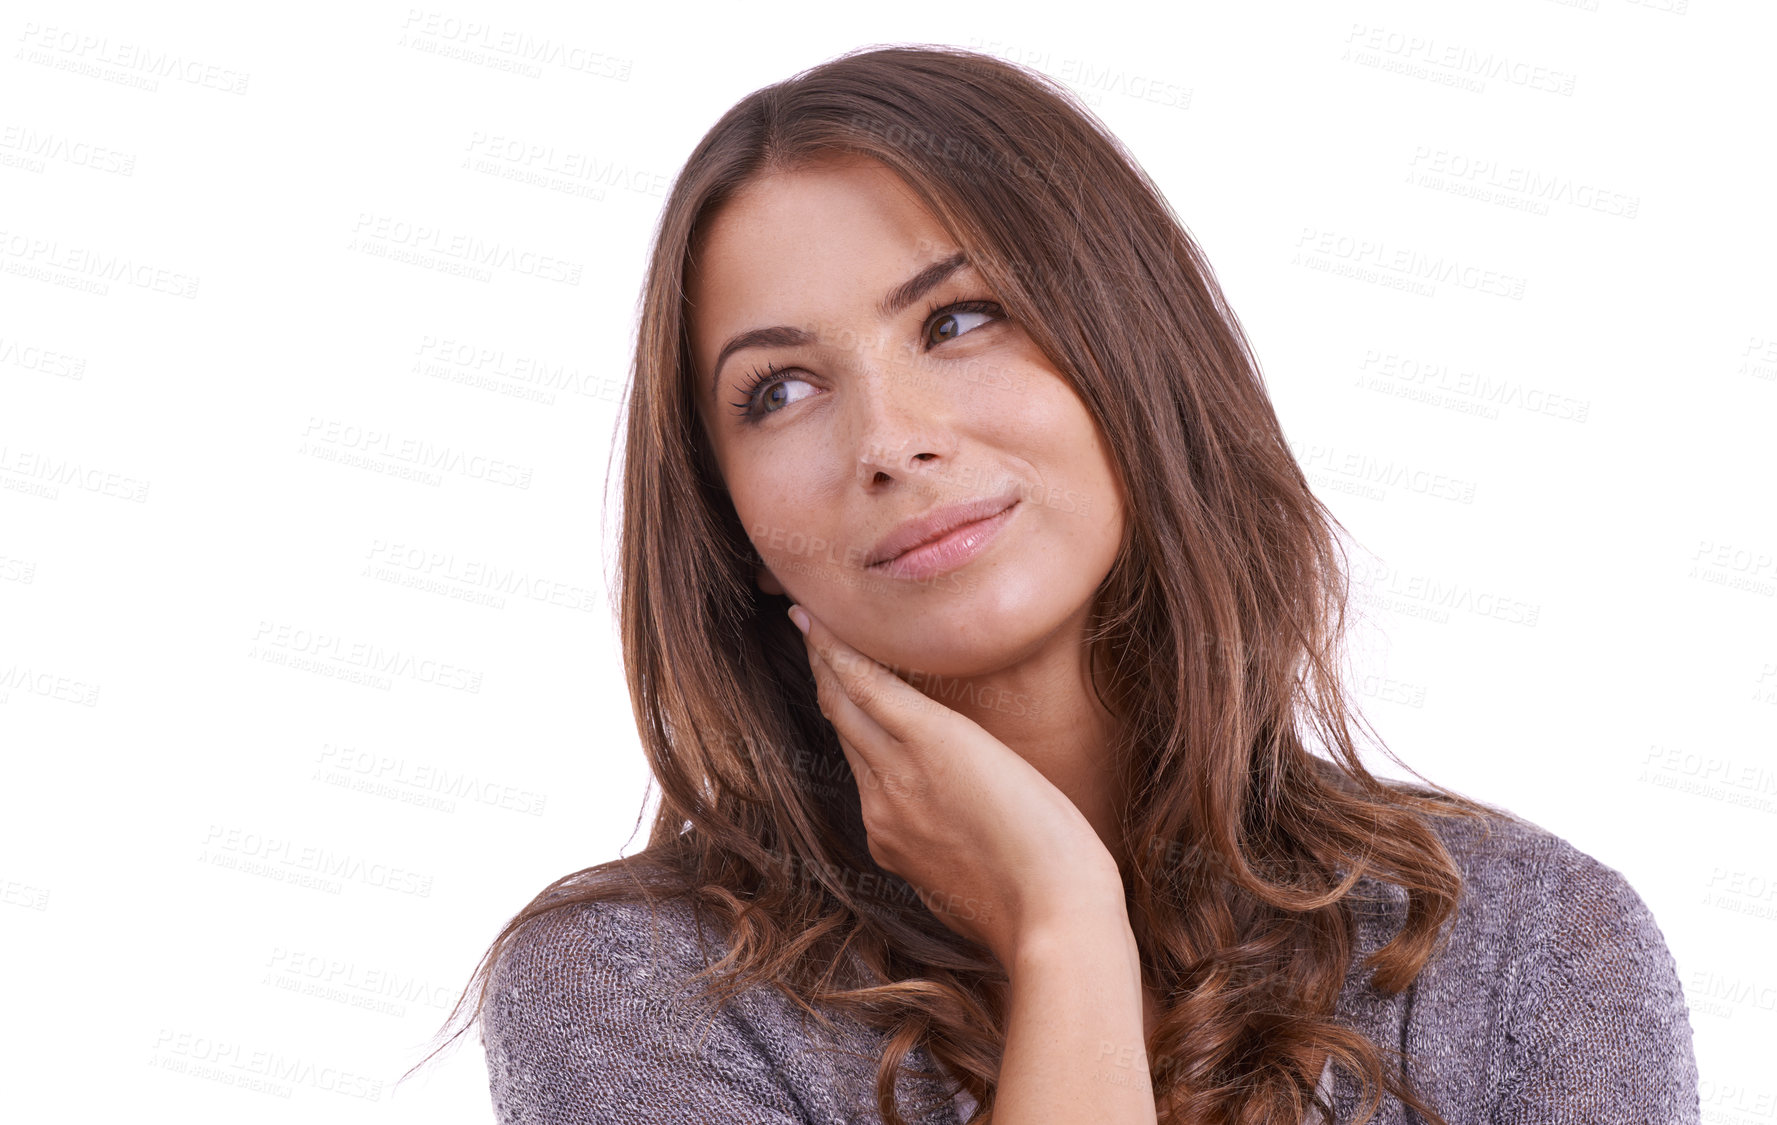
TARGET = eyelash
(760,379)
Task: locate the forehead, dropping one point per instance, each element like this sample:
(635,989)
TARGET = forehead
(827,239)
(850,200)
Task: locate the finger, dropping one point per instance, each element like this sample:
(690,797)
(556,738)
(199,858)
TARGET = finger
(861,771)
(874,755)
(893,706)
(849,721)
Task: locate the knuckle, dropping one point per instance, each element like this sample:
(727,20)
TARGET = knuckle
(862,692)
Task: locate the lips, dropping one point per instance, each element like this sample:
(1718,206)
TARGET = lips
(935,524)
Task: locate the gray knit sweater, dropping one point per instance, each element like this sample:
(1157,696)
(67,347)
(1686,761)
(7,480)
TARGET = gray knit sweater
(1555,1000)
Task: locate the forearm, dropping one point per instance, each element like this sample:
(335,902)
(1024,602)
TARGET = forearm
(1075,1051)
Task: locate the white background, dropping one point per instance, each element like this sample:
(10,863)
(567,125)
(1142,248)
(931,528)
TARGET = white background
(1571,586)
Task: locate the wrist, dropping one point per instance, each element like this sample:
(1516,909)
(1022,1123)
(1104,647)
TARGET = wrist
(1090,932)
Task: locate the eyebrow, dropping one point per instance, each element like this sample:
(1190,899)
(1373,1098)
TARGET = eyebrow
(898,298)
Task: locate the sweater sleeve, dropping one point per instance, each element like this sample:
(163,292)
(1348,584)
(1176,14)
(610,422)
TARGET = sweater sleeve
(1599,1030)
(590,1020)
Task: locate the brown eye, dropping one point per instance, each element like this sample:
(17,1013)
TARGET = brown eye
(950,324)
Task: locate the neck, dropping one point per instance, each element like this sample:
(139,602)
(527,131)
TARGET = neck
(1044,710)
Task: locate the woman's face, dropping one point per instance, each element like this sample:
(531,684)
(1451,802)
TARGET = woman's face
(860,387)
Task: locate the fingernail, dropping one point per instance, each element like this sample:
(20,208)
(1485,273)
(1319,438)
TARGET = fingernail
(800,618)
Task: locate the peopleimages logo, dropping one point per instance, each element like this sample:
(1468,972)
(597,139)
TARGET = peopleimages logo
(347,440)
(228,847)
(446,569)
(520,48)
(98,57)
(382,774)
(34,148)
(385,234)
(49,472)
(290,642)
(236,1064)
(47,259)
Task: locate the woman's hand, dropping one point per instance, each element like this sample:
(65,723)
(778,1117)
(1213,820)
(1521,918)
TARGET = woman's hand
(993,848)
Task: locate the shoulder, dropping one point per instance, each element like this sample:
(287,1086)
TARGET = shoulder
(1531,906)
(588,1016)
(594,1013)
(1530,893)
(1557,906)
(1554,989)
(603,947)
(592,975)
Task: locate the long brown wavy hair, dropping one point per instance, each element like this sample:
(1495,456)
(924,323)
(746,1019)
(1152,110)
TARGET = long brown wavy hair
(1217,634)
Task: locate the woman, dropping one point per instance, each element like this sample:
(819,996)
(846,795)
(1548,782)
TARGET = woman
(981,630)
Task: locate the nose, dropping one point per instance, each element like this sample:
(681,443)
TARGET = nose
(902,425)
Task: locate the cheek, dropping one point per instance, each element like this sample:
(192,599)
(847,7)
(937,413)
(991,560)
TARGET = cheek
(789,514)
(767,519)
(1051,429)
(1041,419)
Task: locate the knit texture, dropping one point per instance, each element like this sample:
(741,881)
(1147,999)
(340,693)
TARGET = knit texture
(1555,1000)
